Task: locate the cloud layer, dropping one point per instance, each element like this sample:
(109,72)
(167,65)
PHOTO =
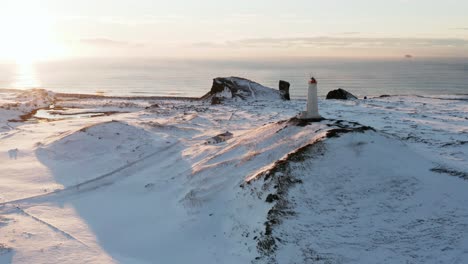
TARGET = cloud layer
(338,42)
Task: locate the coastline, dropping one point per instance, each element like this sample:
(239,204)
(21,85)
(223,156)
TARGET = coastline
(189,98)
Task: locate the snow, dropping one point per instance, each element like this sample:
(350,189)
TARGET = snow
(184,181)
(379,204)
(437,127)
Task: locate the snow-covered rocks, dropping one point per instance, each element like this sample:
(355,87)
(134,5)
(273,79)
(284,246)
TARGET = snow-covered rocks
(235,88)
(340,94)
(220,138)
(21,105)
(34,99)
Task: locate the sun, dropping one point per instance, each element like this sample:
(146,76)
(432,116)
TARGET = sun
(27,33)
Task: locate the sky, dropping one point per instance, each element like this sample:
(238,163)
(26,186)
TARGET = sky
(50,29)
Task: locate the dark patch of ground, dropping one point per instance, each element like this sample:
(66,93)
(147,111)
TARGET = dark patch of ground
(27,116)
(280,180)
(451,172)
(456,143)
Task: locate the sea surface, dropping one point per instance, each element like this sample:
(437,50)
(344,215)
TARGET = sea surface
(178,77)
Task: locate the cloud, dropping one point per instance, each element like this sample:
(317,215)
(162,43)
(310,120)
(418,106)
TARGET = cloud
(341,42)
(351,33)
(460,28)
(207,44)
(108,43)
(126,21)
(142,21)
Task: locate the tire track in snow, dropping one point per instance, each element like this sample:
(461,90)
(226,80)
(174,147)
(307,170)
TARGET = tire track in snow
(89,185)
(54,228)
(7,134)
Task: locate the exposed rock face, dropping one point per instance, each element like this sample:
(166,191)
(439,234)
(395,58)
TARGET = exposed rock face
(216,100)
(220,138)
(235,88)
(341,95)
(284,89)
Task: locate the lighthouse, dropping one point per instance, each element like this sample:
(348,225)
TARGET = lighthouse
(312,102)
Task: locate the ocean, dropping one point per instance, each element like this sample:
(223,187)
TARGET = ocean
(193,78)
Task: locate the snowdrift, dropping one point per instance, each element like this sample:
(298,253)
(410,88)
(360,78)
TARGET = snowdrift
(87,153)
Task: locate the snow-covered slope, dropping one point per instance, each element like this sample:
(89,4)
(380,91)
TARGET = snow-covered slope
(150,185)
(366,198)
(435,127)
(96,150)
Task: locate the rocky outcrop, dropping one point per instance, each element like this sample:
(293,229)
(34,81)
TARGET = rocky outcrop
(284,89)
(235,88)
(216,100)
(29,101)
(34,99)
(340,94)
(220,138)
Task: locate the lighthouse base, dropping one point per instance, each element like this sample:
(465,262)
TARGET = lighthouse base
(310,116)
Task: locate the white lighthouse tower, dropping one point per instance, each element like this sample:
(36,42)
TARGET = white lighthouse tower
(312,102)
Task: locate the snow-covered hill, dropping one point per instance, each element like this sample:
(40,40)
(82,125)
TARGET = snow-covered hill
(152,181)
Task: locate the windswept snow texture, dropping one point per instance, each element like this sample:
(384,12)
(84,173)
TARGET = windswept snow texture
(96,150)
(365,198)
(436,127)
(150,184)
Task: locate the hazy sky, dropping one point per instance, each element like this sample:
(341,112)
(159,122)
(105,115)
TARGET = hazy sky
(40,29)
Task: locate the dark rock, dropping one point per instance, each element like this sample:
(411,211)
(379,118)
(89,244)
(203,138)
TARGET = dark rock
(452,172)
(152,106)
(304,122)
(235,88)
(271,198)
(384,96)
(340,94)
(284,89)
(337,132)
(219,84)
(220,138)
(216,100)
(149,185)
